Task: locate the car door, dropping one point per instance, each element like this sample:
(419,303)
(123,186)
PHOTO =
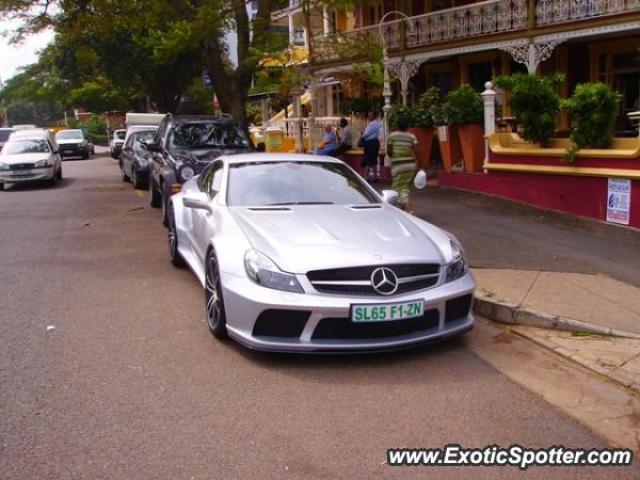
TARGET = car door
(204,222)
(127,156)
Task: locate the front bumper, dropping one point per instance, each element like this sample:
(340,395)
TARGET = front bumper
(328,313)
(73,150)
(34,174)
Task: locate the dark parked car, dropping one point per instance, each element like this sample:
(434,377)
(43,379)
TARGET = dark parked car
(5,133)
(184,146)
(135,159)
(74,143)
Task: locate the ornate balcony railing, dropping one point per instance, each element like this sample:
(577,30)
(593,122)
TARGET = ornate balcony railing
(551,12)
(459,23)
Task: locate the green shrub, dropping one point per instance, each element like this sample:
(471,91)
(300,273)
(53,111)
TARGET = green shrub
(398,113)
(424,108)
(463,105)
(534,103)
(593,108)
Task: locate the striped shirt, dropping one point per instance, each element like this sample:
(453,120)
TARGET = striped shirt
(403,146)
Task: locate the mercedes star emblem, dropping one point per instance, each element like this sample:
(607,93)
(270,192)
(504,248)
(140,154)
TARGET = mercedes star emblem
(384,281)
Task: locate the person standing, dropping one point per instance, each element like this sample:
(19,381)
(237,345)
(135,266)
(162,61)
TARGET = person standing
(344,145)
(371,145)
(402,147)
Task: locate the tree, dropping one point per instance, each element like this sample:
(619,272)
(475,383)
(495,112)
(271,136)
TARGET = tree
(172,31)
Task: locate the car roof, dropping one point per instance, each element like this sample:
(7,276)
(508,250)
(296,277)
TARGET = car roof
(278,157)
(35,133)
(6,129)
(70,130)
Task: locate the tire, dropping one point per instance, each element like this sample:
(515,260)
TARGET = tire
(85,156)
(172,238)
(213,301)
(154,197)
(124,176)
(1,187)
(59,174)
(53,181)
(165,210)
(135,179)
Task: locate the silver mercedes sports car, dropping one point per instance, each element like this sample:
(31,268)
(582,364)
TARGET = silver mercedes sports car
(299,253)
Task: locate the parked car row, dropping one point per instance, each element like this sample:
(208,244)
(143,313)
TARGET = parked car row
(298,252)
(31,154)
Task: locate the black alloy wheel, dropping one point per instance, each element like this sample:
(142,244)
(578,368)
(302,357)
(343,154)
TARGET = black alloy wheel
(172,237)
(216,318)
(135,179)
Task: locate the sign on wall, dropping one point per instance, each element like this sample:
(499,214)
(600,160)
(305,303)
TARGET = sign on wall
(619,201)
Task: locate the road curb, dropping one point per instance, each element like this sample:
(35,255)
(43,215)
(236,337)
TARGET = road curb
(612,375)
(500,311)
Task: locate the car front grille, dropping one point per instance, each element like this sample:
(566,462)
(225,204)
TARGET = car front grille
(357,280)
(345,329)
(22,166)
(280,323)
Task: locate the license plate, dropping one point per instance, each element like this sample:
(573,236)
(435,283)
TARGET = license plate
(386,312)
(22,173)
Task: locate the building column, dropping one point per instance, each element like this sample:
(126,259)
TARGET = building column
(292,30)
(489,99)
(326,25)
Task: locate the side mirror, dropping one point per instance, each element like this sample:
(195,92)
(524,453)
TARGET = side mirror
(197,200)
(390,196)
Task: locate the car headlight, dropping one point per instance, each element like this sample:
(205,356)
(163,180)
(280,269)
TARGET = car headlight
(458,266)
(186,173)
(4,166)
(42,163)
(264,272)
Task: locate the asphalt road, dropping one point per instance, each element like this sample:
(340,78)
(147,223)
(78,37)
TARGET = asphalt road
(127,383)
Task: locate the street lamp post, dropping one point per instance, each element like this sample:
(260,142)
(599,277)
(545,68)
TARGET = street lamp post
(386,91)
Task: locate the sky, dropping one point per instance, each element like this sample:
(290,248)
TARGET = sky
(14,56)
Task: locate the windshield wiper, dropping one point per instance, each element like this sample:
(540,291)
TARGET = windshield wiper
(299,203)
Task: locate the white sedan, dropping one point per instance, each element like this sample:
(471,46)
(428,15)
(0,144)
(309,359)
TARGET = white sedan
(299,253)
(30,156)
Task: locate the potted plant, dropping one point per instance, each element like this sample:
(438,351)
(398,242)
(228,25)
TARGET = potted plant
(448,139)
(593,108)
(464,109)
(422,124)
(534,103)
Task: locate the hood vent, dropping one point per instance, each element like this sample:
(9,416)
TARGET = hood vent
(269,209)
(365,207)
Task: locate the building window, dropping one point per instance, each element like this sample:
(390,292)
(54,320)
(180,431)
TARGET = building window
(478,74)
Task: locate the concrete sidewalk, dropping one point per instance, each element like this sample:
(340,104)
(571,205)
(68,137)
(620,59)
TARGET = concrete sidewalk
(592,319)
(598,303)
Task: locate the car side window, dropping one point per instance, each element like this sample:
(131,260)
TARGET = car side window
(210,179)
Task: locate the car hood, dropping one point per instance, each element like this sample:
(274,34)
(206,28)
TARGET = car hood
(23,158)
(70,141)
(304,238)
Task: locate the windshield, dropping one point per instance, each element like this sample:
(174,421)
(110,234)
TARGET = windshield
(206,135)
(4,135)
(295,183)
(25,146)
(147,136)
(120,134)
(69,135)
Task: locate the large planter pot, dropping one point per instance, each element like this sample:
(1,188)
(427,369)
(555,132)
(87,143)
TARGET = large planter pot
(472,142)
(449,146)
(425,139)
